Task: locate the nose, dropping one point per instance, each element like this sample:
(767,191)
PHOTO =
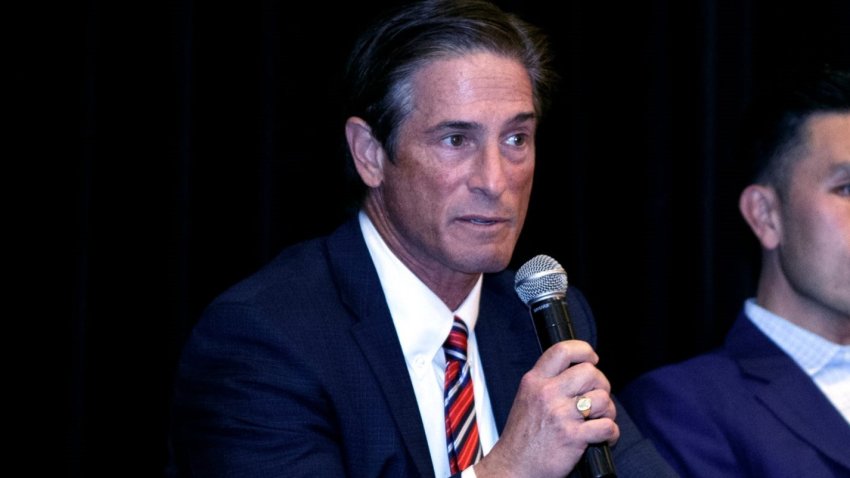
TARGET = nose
(488,175)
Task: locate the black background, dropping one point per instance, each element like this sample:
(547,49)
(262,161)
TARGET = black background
(167,150)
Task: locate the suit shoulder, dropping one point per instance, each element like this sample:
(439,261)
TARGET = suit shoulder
(707,374)
(293,271)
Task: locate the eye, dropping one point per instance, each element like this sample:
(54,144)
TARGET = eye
(454,140)
(843,190)
(517,140)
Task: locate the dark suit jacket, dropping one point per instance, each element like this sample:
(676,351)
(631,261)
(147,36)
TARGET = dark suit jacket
(297,371)
(745,409)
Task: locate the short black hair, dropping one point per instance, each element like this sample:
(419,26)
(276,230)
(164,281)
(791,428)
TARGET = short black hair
(775,124)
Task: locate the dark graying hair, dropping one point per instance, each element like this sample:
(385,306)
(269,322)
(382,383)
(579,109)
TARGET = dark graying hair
(775,131)
(381,66)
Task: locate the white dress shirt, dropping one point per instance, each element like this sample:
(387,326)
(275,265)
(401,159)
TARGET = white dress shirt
(827,363)
(422,322)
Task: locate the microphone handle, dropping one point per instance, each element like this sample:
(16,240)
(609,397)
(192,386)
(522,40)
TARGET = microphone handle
(553,325)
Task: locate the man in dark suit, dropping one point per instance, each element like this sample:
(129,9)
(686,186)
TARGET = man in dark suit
(333,360)
(775,399)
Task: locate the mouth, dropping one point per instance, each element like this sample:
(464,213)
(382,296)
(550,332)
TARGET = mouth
(483,220)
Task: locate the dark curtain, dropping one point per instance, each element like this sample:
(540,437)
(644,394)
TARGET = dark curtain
(171,149)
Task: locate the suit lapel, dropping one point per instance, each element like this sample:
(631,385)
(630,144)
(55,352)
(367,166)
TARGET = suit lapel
(374,332)
(789,393)
(507,344)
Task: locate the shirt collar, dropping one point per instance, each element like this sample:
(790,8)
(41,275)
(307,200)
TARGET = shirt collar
(811,351)
(421,319)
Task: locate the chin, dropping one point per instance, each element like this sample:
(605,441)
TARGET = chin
(487,263)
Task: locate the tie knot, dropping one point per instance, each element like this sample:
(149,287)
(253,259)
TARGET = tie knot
(455,345)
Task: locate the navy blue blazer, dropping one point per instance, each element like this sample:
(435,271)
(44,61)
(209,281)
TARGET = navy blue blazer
(745,409)
(297,371)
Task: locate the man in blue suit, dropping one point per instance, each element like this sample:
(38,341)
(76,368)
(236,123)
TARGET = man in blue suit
(330,360)
(774,401)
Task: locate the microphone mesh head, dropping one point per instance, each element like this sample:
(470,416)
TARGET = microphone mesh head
(539,278)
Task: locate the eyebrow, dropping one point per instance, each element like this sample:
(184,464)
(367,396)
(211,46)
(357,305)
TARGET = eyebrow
(842,168)
(522,118)
(471,125)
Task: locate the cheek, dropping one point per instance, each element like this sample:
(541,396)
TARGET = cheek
(520,180)
(800,229)
(817,227)
(418,191)
(834,228)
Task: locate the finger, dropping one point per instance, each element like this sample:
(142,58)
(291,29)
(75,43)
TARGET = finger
(603,430)
(595,404)
(561,355)
(581,378)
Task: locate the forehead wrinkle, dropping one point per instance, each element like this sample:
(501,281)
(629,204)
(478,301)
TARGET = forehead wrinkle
(458,125)
(455,126)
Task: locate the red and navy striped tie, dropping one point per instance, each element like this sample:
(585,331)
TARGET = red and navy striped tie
(463,444)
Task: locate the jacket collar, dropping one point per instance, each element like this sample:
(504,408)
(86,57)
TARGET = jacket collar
(788,392)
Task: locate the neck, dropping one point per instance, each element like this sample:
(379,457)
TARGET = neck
(779,296)
(452,287)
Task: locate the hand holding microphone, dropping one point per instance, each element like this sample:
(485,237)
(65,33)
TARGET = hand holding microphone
(542,284)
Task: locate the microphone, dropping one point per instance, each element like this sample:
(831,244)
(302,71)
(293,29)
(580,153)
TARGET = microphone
(542,284)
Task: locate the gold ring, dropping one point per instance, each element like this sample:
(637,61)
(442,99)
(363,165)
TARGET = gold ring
(583,405)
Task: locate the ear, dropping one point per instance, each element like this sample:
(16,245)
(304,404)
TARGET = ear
(760,207)
(368,153)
